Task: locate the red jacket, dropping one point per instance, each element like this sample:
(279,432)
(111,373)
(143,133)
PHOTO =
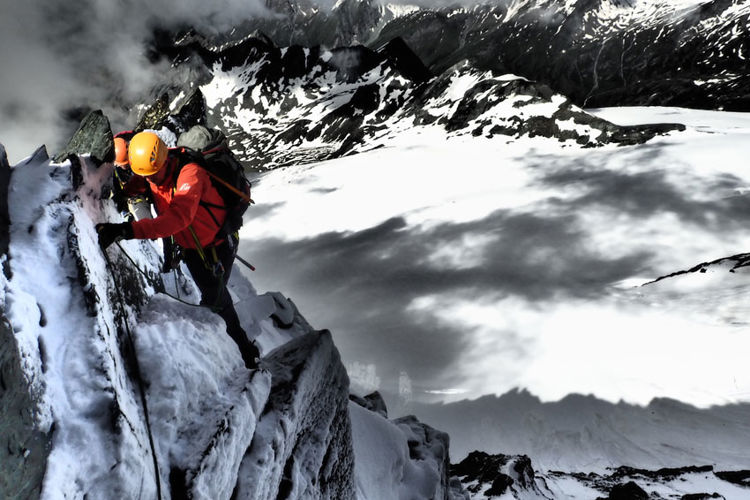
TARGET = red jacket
(178,206)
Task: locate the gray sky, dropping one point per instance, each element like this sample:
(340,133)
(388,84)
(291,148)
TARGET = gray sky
(56,56)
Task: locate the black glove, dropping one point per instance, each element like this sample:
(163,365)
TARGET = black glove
(109,233)
(171,255)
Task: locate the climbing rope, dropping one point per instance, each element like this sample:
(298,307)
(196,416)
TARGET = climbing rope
(152,282)
(155,285)
(139,376)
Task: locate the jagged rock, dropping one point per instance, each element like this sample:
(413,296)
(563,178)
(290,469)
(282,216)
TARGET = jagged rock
(302,447)
(191,112)
(664,473)
(627,491)
(405,60)
(373,402)
(156,115)
(297,61)
(432,36)
(496,474)
(731,264)
(740,477)
(93,137)
(23,456)
(350,63)
(426,443)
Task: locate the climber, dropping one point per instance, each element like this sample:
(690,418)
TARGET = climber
(129,191)
(190,209)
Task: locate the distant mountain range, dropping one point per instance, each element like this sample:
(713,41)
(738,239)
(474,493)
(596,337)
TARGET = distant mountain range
(595,52)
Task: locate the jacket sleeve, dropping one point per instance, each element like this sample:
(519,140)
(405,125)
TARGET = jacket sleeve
(182,209)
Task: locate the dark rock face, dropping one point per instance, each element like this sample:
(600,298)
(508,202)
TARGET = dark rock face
(373,402)
(426,442)
(627,491)
(741,477)
(500,472)
(94,137)
(23,456)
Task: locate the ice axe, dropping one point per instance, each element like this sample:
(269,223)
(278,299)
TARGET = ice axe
(249,266)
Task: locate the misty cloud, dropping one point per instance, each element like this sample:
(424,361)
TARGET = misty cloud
(361,284)
(57,55)
(698,201)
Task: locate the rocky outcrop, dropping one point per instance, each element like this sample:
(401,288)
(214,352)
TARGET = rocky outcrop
(429,445)
(373,402)
(26,446)
(496,475)
(303,447)
(729,264)
(93,137)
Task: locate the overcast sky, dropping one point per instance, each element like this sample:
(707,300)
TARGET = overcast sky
(56,56)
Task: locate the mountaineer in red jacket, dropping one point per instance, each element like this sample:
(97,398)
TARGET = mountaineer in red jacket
(189,208)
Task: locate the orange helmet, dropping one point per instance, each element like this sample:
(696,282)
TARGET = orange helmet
(121,152)
(147,153)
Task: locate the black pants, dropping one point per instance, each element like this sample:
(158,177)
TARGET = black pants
(214,293)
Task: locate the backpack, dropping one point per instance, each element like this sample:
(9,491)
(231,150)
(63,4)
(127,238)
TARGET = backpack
(210,150)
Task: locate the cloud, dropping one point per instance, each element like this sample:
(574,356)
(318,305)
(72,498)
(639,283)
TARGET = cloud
(363,284)
(57,56)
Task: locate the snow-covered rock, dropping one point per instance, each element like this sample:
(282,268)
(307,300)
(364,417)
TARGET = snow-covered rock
(303,447)
(488,476)
(398,459)
(111,388)
(689,53)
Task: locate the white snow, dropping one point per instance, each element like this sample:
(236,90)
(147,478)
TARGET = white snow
(383,467)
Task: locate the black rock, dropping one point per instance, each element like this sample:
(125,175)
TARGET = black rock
(93,137)
(627,491)
(499,485)
(156,115)
(740,477)
(23,456)
(373,402)
(191,112)
(405,61)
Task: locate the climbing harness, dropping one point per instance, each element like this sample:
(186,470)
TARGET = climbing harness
(139,376)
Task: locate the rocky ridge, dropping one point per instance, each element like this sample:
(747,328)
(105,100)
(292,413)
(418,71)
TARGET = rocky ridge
(596,52)
(296,104)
